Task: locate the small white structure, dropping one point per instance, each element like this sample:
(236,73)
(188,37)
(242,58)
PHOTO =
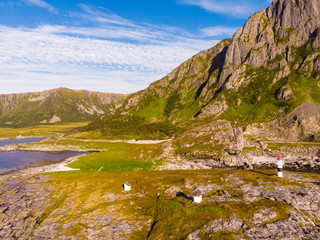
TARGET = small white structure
(280,164)
(126,186)
(197,197)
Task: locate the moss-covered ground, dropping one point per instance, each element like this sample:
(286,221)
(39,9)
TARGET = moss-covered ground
(153,202)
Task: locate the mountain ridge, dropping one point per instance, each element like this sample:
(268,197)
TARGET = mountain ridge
(265,78)
(56,105)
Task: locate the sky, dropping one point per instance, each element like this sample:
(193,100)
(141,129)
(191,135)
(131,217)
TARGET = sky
(118,46)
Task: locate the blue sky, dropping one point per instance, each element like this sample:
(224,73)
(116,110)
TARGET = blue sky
(110,46)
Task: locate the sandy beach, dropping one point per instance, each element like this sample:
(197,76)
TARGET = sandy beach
(55,167)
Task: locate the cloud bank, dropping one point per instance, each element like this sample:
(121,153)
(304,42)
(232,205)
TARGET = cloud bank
(42,58)
(113,54)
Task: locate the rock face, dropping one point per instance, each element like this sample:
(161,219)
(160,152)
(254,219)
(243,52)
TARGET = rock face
(271,33)
(58,105)
(285,94)
(213,140)
(302,123)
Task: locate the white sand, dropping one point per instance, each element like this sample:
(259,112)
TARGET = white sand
(57,167)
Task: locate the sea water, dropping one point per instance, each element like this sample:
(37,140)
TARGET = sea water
(14,160)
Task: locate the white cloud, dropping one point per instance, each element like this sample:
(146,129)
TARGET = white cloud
(116,55)
(102,15)
(111,26)
(241,9)
(42,4)
(103,81)
(142,35)
(218,31)
(39,59)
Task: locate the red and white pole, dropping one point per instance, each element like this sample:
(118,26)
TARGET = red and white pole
(280,166)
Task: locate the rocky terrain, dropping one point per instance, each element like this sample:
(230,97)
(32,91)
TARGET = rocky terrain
(55,106)
(296,226)
(236,205)
(24,214)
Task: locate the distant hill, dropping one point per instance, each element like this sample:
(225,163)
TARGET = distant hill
(263,83)
(54,106)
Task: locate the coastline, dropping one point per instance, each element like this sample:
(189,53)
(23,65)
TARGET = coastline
(54,167)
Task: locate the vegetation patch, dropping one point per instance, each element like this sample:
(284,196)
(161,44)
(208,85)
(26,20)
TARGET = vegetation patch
(120,157)
(131,126)
(258,100)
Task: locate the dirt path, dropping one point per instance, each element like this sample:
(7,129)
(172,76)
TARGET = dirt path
(147,141)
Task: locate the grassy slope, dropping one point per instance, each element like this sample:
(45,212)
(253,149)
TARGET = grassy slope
(155,116)
(60,102)
(258,100)
(164,104)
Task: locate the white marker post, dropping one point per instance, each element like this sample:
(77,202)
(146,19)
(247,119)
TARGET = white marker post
(280,166)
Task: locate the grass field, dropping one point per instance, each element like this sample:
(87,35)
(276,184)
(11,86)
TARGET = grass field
(40,130)
(111,156)
(120,157)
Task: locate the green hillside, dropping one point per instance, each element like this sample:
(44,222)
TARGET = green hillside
(58,105)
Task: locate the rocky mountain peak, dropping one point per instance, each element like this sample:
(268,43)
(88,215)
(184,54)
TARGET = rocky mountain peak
(272,34)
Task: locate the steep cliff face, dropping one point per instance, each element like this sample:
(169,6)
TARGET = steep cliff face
(274,34)
(58,105)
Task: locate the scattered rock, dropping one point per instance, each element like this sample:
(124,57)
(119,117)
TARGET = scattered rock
(285,93)
(263,215)
(234,224)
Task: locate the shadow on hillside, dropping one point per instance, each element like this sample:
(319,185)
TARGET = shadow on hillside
(181,194)
(267,174)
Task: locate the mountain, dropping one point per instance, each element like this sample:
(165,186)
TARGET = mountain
(261,84)
(57,105)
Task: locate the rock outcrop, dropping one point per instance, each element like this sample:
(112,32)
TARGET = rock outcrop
(302,123)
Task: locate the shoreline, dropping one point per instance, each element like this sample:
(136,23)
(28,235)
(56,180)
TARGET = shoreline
(54,167)
(18,148)
(25,137)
